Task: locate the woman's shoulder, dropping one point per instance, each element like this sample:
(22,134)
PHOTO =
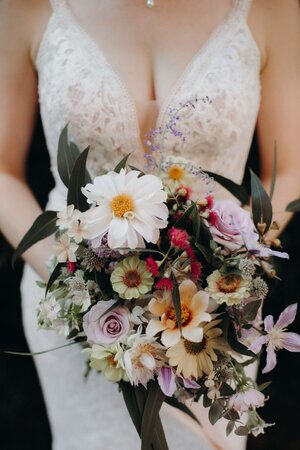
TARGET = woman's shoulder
(22,23)
(277,25)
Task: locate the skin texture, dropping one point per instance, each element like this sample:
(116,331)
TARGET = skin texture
(149,63)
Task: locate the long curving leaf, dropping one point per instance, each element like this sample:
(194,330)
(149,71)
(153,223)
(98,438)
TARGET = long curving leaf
(176,300)
(43,226)
(54,275)
(274,174)
(67,155)
(122,164)
(294,206)
(77,181)
(183,219)
(235,189)
(172,401)
(155,398)
(129,396)
(261,203)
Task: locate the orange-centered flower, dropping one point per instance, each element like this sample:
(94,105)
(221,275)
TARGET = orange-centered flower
(193,306)
(176,173)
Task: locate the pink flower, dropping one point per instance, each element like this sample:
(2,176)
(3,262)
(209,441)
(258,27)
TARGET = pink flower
(71,266)
(196,270)
(179,238)
(106,328)
(244,400)
(166,381)
(230,222)
(277,338)
(165,284)
(184,192)
(152,266)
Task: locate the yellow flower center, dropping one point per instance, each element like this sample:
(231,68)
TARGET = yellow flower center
(229,283)
(122,204)
(194,348)
(185,314)
(176,173)
(132,278)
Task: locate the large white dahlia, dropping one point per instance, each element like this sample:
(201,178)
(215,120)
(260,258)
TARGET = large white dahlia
(129,207)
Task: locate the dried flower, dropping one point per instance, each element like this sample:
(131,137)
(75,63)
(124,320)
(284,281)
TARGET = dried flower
(164,284)
(152,266)
(259,288)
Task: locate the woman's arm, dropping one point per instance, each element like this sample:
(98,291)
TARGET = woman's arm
(18,99)
(279,116)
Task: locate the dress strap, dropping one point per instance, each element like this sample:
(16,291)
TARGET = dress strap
(56,4)
(243,6)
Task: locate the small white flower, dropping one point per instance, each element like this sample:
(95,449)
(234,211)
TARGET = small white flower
(61,327)
(66,217)
(244,400)
(65,250)
(143,359)
(83,299)
(49,309)
(136,315)
(77,230)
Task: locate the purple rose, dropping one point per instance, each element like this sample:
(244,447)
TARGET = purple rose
(231,222)
(106,328)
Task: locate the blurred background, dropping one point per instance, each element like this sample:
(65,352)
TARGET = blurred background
(23,418)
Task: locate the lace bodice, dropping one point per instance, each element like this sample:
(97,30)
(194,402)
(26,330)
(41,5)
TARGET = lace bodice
(77,85)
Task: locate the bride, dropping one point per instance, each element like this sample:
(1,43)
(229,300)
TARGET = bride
(112,69)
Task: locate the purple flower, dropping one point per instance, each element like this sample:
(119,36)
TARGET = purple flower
(276,337)
(106,328)
(230,224)
(243,400)
(258,249)
(166,381)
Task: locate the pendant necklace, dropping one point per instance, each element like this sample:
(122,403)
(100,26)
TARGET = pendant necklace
(150,3)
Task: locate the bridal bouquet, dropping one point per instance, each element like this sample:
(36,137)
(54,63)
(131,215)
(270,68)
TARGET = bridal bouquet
(163,286)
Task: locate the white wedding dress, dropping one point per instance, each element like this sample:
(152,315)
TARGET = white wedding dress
(77,85)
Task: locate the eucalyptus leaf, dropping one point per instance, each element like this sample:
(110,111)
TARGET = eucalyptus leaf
(153,404)
(251,309)
(77,181)
(235,189)
(129,396)
(205,252)
(67,154)
(172,401)
(231,414)
(54,275)
(43,226)
(122,164)
(264,386)
(206,401)
(181,222)
(293,206)
(176,300)
(215,412)
(261,204)
(234,342)
(226,390)
(196,223)
(242,431)
(230,427)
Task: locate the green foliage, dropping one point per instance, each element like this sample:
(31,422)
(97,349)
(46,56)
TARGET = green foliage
(77,181)
(43,226)
(235,189)
(122,164)
(261,204)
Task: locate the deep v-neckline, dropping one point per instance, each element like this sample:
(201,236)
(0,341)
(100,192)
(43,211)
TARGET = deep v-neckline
(100,56)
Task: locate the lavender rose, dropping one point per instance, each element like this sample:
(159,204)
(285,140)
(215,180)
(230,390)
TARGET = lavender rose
(231,222)
(102,328)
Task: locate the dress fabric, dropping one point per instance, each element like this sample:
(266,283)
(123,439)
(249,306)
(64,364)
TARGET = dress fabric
(77,85)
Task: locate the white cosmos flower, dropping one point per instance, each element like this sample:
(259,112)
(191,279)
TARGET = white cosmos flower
(66,217)
(64,249)
(77,230)
(129,208)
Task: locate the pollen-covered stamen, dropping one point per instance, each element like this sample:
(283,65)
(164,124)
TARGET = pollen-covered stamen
(176,172)
(185,314)
(229,283)
(122,205)
(132,278)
